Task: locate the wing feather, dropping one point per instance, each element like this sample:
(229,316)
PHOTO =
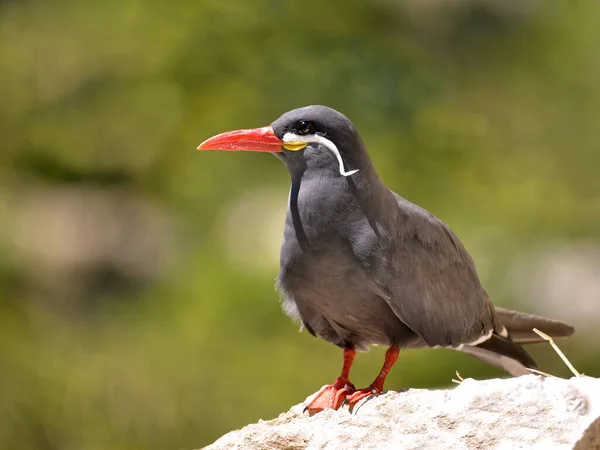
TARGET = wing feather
(434,287)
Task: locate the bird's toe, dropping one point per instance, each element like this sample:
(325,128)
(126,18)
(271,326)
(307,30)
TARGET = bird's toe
(331,396)
(360,394)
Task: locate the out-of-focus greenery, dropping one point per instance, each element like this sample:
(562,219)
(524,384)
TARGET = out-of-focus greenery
(137,308)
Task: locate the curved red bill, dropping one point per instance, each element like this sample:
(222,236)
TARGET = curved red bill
(254,140)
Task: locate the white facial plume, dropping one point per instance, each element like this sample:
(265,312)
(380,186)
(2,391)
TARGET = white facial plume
(292,137)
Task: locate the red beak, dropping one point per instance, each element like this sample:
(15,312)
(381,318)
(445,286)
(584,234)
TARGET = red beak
(255,140)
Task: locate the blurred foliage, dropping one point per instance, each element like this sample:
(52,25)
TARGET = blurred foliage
(127,320)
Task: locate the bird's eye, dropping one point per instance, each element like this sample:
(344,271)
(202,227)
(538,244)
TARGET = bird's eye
(304,127)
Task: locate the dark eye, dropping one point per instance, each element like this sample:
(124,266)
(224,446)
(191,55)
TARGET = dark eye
(304,127)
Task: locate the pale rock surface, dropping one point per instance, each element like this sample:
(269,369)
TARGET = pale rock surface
(529,412)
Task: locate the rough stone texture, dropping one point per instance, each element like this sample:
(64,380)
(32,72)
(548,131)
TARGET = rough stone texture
(528,412)
(591,438)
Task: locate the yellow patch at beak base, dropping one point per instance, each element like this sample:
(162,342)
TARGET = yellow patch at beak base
(294,146)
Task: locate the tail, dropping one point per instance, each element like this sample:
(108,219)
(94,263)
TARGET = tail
(513,328)
(520,326)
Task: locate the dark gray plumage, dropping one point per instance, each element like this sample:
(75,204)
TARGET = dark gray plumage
(361,265)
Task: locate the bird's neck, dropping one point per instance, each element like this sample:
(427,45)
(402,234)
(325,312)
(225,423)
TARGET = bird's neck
(366,187)
(323,203)
(371,194)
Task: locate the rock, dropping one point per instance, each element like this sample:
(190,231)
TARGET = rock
(591,438)
(529,412)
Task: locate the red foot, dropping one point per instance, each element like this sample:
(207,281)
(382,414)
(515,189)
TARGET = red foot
(361,394)
(331,397)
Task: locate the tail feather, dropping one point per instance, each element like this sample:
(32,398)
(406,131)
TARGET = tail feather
(510,365)
(503,353)
(520,326)
(513,328)
(505,346)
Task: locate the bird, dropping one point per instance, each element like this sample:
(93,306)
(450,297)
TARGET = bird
(362,266)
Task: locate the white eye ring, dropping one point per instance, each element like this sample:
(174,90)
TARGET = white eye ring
(292,137)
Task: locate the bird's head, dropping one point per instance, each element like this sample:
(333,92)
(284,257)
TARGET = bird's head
(316,136)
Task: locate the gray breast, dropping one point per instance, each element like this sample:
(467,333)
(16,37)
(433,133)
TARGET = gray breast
(328,283)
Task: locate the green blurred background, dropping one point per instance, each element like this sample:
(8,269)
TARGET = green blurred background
(137,308)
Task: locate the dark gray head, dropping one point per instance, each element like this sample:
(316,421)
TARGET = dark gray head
(326,139)
(310,138)
(316,119)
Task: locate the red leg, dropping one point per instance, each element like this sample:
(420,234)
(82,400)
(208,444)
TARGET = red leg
(377,386)
(333,395)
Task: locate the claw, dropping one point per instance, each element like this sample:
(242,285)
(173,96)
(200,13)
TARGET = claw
(360,394)
(332,396)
